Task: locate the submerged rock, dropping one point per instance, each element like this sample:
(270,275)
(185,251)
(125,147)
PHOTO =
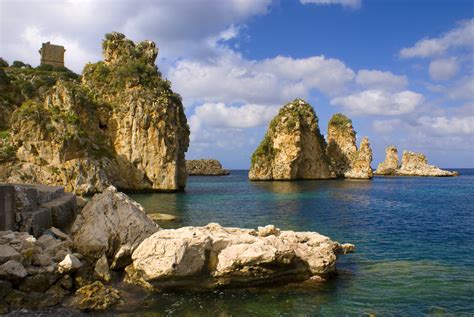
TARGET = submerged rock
(156,216)
(112,224)
(347,161)
(96,296)
(413,164)
(205,167)
(121,125)
(293,147)
(214,256)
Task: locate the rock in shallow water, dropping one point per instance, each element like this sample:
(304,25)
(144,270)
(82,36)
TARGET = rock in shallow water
(113,224)
(214,256)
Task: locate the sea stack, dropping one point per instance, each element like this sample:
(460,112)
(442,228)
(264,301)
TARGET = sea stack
(205,167)
(293,147)
(347,161)
(413,164)
(121,125)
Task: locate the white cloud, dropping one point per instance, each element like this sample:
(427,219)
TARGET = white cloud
(232,78)
(463,89)
(443,69)
(461,36)
(218,115)
(375,79)
(448,126)
(355,4)
(380,102)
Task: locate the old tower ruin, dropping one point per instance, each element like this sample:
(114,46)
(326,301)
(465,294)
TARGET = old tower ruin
(52,54)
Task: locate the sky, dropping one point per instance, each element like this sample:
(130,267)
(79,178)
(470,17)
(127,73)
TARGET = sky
(403,71)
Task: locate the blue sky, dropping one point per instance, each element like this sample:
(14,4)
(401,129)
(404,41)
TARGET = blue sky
(402,70)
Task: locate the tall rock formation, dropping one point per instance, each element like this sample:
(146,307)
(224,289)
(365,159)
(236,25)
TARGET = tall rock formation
(413,164)
(347,161)
(122,126)
(293,147)
(390,165)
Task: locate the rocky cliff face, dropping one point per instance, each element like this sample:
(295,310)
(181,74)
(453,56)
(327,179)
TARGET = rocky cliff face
(390,165)
(347,161)
(293,147)
(413,164)
(122,125)
(205,167)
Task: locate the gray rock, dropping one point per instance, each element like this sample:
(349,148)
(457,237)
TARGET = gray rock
(102,269)
(69,264)
(5,288)
(7,253)
(113,224)
(12,271)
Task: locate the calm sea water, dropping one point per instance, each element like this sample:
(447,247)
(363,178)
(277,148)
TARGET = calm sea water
(414,238)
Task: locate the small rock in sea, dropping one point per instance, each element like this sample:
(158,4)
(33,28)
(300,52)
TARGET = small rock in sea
(161,217)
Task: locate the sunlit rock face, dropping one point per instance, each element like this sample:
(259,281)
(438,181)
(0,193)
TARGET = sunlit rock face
(346,160)
(293,147)
(121,125)
(205,167)
(413,164)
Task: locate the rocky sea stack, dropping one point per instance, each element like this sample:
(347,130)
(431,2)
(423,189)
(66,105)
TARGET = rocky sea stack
(120,125)
(293,147)
(413,164)
(346,160)
(205,167)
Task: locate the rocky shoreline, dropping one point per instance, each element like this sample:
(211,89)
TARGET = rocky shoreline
(112,238)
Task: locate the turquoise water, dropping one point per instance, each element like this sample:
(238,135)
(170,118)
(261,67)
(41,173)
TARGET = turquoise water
(414,238)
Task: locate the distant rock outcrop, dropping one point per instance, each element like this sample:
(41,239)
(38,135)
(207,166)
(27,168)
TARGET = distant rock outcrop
(205,167)
(346,160)
(293,147)
(413,164)
(214,256)
(122,126)
(390,165)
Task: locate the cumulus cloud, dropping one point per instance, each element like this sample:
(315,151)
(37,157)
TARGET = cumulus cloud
(380,80)
(219,115)
(354,4)
(443,69)
(461,36)
(232,78)
(462,89)
(448,126)
(380,102)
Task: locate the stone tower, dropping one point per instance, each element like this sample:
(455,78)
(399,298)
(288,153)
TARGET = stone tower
(52,55)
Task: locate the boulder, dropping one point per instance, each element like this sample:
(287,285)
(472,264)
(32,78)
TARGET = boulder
(69,264)
(205,167)
(12,271)
(293,147)
(112,224)
(214,256)
(7,253)
(346,160)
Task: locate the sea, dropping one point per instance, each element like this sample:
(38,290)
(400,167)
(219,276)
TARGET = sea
(414,238)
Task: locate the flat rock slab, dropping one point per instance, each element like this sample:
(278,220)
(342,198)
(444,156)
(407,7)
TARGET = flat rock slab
(156,216)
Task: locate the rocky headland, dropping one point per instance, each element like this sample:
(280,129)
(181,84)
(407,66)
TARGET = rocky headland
(119,124)
(294,148)
(205,167)
(413,164)
(82,268)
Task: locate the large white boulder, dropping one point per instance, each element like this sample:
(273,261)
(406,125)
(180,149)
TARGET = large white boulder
(213,255)
(112,224)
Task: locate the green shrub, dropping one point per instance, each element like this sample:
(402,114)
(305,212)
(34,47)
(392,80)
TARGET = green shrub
(45,67)
(5,134)
(18,64)
(339,120)
(3,63)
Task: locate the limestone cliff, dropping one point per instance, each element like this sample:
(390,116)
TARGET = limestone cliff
(347,161)
(121,125)
(205,167)
(293,147)
(390,165)
(413,164)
